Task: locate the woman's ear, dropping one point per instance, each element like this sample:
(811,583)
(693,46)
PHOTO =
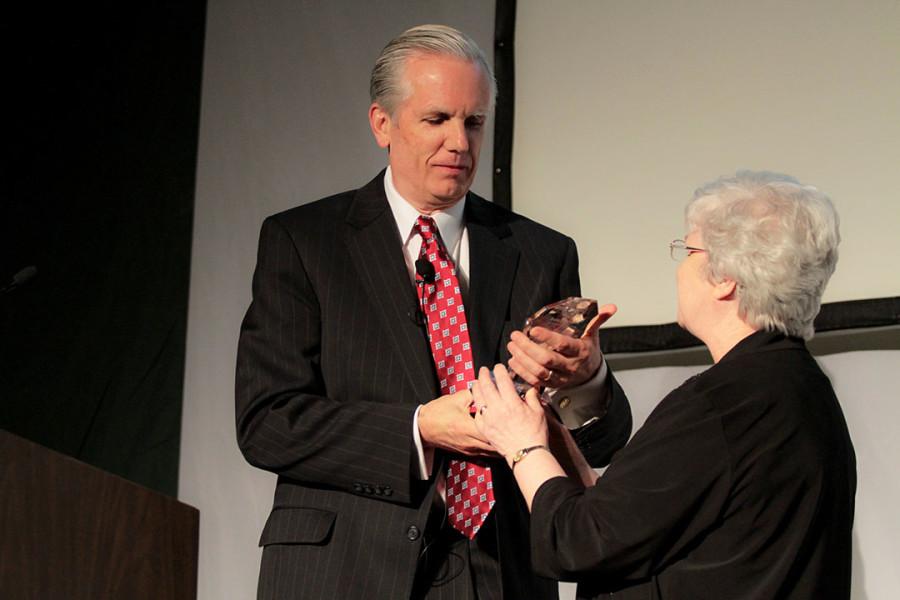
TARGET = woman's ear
(726,289)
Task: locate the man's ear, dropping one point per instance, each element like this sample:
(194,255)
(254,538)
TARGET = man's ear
(380,122)
(725,289)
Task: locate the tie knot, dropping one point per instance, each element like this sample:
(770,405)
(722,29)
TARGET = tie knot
(426,228)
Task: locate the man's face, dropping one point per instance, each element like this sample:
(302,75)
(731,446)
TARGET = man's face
(435,133)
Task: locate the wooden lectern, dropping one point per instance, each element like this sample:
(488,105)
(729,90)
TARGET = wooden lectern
(71,531)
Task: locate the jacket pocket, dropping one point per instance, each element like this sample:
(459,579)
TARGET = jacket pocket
(297,526)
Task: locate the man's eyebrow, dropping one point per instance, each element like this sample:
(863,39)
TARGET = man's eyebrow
(436,110)
(432,111)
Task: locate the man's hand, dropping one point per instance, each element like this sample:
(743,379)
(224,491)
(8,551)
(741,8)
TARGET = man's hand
(545,358)
(447,423)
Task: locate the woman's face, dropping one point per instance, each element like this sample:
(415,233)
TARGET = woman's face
(694,287)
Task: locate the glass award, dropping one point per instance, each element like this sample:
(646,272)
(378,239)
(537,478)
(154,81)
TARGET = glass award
(570,317)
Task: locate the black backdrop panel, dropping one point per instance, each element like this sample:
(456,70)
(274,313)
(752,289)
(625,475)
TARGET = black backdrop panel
(102,114)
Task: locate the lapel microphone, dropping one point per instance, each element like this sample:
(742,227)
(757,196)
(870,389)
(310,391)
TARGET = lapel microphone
(424,274)
(425,271)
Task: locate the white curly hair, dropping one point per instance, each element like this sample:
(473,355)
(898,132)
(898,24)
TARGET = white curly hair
(776,238)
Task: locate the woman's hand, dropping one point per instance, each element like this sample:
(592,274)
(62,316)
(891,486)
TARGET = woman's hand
(509,423)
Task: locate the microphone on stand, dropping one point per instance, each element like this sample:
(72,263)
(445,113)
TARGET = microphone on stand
(30,271)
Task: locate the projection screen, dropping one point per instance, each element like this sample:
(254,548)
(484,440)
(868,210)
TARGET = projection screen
(622,109)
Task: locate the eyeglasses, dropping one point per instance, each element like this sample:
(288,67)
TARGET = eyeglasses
(678,250)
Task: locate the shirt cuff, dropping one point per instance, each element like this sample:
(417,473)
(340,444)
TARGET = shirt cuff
(582,404)
(426,457)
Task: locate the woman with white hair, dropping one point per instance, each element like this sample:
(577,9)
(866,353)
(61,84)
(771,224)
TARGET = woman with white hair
(741,482)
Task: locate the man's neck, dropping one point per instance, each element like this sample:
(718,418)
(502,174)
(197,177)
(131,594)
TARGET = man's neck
(423,207)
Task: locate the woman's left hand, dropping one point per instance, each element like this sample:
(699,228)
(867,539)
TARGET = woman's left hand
(506,420)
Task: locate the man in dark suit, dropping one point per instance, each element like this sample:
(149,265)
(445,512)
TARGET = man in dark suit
(337,390)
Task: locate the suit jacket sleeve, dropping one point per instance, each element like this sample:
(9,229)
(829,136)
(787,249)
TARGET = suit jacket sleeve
(599,440)
(286,423)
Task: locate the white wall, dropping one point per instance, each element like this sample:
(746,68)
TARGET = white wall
(624,108)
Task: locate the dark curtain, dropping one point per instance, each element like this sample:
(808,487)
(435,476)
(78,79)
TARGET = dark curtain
(102,113)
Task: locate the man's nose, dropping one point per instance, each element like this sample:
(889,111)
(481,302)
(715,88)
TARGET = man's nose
(457,137)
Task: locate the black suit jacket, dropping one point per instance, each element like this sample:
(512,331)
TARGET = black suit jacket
(331,367)
(740,485)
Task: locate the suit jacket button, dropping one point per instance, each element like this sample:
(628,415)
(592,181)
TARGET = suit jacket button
(378,490)
(387,490)
(412,534)
(368,490)
(357,488)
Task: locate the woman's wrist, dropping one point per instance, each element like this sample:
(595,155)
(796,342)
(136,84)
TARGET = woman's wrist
(520,455)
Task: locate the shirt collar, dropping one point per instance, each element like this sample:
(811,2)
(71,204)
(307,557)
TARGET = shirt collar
(449,221)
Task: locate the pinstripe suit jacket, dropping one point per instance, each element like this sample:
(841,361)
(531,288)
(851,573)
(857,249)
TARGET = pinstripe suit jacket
(331,368)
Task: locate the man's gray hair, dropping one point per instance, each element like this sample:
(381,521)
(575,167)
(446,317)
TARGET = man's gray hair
(777,238)
(387,86)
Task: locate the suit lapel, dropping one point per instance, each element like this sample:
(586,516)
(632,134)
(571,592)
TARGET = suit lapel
(492,270)
(377,251)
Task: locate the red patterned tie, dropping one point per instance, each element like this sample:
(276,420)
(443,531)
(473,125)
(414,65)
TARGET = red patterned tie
(470,491)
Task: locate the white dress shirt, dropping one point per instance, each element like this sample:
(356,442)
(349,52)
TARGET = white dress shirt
(577,406)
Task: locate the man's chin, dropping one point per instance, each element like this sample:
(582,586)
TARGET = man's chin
(448,196)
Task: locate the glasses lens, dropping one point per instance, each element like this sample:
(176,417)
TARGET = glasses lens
(677,250)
